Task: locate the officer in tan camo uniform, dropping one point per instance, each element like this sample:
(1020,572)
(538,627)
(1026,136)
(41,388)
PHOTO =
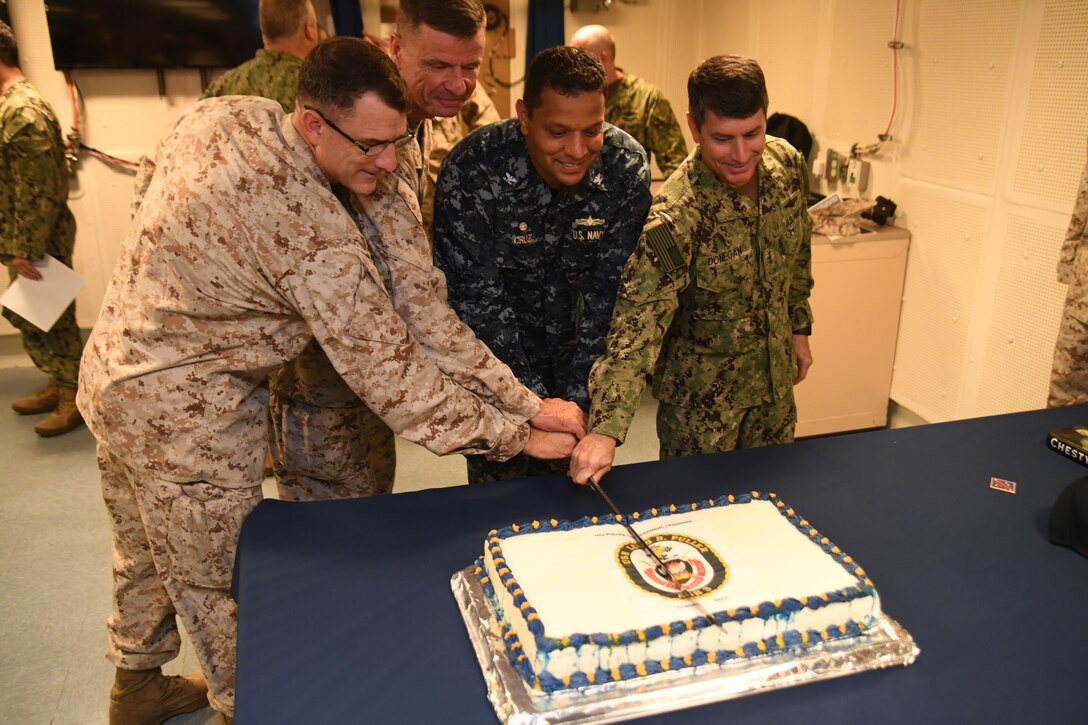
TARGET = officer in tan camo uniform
(635,105)
(714,300)
(289,30)
(479,110)
(1069,376)
(326,443)
(241,252)
(35,221)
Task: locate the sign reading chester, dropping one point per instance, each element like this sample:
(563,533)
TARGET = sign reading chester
(697,567)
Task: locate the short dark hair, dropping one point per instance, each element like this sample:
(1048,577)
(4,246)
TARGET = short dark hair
(566,70)
(459,18)
(9,46)
(727,85)
(338,71)
(281,18)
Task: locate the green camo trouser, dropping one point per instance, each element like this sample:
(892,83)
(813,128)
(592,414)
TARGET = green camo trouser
(56,353)
(691,432)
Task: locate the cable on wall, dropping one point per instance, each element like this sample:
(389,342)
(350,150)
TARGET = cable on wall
(896,45)
(75,144)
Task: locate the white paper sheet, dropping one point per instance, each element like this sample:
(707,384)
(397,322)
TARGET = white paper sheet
(41,302)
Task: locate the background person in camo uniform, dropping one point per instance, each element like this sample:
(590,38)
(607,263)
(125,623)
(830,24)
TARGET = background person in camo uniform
(714,301)
(1069,376)
(534,219)
(635,105)
(326,442)
(289,31)
(35,221)
(172,381)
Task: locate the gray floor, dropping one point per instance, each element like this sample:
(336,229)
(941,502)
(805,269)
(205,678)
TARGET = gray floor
(55,571)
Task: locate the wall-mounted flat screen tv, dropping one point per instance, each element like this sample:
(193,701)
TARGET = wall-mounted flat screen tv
(152,33)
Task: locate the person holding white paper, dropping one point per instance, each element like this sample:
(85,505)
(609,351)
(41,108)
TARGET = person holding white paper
(35,221)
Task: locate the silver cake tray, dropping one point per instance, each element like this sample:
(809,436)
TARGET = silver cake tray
(886,644)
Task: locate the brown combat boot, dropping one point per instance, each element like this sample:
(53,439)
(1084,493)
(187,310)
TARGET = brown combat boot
(41,402)
(148,697)
(65,416)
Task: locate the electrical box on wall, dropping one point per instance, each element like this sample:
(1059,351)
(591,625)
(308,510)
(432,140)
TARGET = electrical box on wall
(834,162)
(857,174)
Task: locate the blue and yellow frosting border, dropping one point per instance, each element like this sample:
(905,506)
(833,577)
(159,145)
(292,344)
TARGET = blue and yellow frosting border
(789,640)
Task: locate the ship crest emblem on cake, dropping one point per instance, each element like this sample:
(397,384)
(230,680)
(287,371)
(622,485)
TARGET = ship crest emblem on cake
(695,565)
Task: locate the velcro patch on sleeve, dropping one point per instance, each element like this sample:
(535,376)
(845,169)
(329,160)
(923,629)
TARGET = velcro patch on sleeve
(663,244)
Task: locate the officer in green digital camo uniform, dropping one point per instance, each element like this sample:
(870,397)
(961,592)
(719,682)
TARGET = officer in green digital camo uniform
(1069,376)
(714,300)
(34,221)
(289,30)
(535,218)
(635,105)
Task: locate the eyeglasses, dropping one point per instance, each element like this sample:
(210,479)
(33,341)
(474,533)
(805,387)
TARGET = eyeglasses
(373,149)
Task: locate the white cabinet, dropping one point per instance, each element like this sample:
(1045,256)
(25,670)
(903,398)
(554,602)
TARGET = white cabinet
(855,303)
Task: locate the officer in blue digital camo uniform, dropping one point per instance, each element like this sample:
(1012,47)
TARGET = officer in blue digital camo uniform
(715,300)
(534,219)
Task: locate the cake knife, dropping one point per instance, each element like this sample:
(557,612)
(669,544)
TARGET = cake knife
(595,484)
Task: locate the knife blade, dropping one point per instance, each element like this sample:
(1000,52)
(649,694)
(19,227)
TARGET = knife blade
(595,484)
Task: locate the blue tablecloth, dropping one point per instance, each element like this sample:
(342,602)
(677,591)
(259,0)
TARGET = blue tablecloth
(346,614)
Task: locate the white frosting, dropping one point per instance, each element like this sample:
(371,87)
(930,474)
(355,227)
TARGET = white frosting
(576,584)
(573,581)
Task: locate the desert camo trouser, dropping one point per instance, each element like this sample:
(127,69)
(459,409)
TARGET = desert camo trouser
(321,453)
(1069,373)
(173,554)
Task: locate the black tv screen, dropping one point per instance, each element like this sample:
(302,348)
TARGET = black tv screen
(152,33)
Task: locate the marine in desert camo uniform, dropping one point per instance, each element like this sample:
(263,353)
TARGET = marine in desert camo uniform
(241,253)
(326,443)
(1069,375)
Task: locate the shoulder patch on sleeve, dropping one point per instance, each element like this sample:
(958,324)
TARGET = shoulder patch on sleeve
(662,243)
